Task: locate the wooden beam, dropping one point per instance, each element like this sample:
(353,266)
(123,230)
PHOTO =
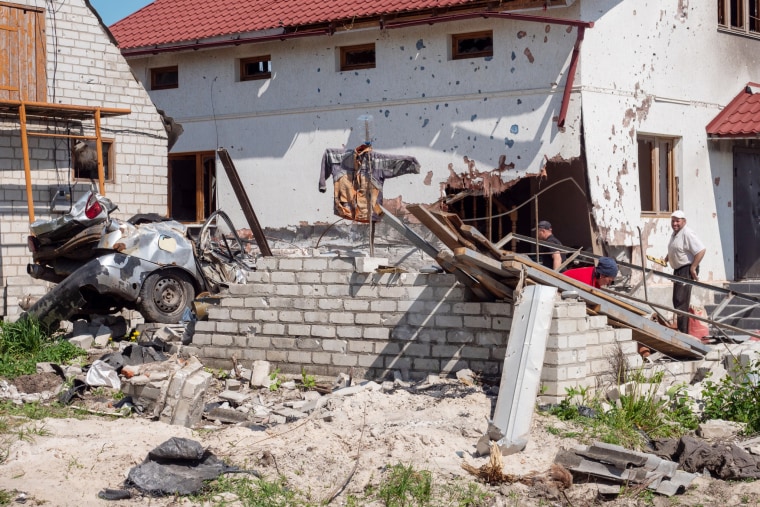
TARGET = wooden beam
(444,233)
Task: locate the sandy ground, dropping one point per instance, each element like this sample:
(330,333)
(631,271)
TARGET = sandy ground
(437,430)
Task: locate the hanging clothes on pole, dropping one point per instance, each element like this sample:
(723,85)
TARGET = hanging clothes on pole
(350,170)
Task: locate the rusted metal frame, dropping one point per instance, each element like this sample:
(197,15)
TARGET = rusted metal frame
(669,276)
(721,306)
(245,202)
(648,330)
(684,313)
(99,154)
(27,168)
(736,313)
(570,258)
(44,109)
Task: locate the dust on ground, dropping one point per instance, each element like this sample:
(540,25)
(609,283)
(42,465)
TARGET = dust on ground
(66,462)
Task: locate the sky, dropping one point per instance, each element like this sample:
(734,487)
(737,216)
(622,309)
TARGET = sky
(112,11)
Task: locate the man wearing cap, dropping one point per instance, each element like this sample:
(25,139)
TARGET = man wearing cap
(597,276)
(685,252)
(548,256)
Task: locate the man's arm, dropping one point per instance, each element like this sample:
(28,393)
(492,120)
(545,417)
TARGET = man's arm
(695,263)
(556,260)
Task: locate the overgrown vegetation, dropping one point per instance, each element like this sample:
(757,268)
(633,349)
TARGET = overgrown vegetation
(401,486)
(308,381)
(735,398)
(26,342)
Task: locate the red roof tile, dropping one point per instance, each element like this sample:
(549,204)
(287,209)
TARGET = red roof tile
(741,117)
(173,21)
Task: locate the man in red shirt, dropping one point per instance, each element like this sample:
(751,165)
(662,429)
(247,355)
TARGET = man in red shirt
(597,276)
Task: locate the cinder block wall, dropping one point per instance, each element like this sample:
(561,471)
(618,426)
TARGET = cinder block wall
(320,315)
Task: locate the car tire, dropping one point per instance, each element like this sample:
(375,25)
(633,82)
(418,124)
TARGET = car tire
(164,296)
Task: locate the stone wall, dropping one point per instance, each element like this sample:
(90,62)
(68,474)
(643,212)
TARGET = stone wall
(321,315)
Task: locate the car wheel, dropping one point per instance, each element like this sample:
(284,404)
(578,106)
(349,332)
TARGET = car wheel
(165,295)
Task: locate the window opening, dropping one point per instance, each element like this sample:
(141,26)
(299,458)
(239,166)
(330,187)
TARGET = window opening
(258,67)
(164,78)
(357,57)
(84,162)
(739,16)
(472,45)
(656,175)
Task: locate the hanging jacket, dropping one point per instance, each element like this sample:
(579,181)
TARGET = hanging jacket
(358,177)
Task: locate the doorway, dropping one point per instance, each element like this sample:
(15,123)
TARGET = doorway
(746,214)
(192,186)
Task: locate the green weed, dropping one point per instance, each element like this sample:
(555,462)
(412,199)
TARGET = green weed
(26,342)
(275,380)
(6,497)
(405,486)
(308,381)
(735,400)
(250,492)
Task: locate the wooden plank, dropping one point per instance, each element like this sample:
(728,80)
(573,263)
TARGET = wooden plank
(453,222)
(447,262)
(400,227)
(474,235)
(443,232)
(498,289)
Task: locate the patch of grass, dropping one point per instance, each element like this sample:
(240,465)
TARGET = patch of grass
(275,380)
(15,426)
(6,497)
(250,491)
(404,486)
(26,342)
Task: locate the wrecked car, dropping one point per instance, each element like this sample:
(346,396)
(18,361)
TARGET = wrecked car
(151,265)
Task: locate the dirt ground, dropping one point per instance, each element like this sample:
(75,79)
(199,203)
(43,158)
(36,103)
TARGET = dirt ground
(69,462)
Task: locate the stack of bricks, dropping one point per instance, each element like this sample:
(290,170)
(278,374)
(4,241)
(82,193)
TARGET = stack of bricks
(320,315)
(579,350)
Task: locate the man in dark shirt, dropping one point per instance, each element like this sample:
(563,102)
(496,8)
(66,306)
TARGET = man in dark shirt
(548,256)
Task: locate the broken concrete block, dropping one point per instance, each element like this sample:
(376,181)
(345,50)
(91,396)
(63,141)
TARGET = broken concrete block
(369,264)
(234,397)
(232,384)
(719,430)
(82,341)
(466,377)
(102,335)
(45,368)
(260,374)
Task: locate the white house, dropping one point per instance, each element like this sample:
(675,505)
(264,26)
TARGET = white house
(61,69)
(609,99)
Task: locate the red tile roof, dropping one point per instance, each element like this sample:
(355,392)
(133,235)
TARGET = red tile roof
(741,117)
(174,21)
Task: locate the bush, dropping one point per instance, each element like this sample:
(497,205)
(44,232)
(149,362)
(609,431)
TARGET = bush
(733,400)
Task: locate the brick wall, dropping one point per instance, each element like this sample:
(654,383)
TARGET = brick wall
(321,315)
(83,68)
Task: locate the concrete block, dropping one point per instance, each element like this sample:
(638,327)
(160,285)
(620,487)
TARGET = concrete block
(82,341)
(369,264)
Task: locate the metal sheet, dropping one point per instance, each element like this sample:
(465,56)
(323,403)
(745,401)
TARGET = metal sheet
(521,374)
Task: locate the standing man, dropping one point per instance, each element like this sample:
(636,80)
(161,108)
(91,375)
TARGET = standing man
(685,252)
(548,256)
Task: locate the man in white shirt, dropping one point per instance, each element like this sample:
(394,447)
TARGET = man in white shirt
(685,252)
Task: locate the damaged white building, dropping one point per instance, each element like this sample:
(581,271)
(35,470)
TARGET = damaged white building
(496,99)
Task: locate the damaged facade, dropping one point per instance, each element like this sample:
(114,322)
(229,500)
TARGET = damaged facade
(602,92)
(63,66)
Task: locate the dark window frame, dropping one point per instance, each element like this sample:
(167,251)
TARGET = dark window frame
(109,154)
(662,196)
(739,16)
(350,53)
(245,62)
(461,40)
(156,80)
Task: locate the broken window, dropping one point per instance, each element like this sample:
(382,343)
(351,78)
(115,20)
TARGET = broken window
(357,57)
(657,175)
(257,67)
(739,15)
(163,78)
(192,186)
(86,168)
(472,45)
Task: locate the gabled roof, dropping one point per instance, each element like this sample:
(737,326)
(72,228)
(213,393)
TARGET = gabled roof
(741,117)
(172,21)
